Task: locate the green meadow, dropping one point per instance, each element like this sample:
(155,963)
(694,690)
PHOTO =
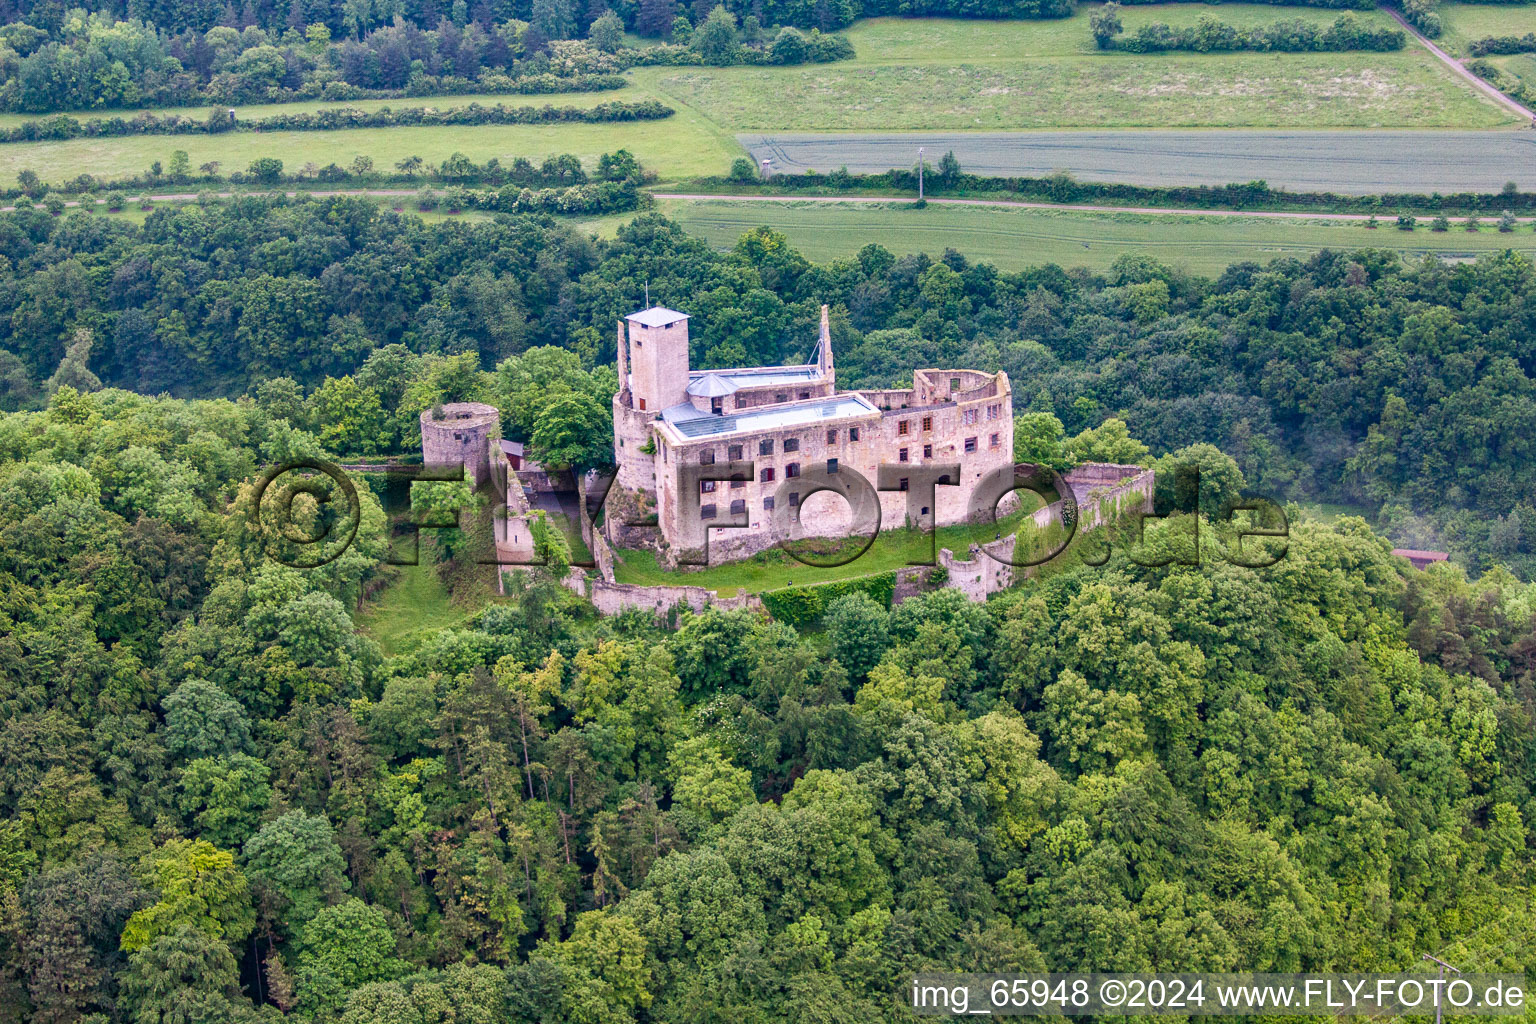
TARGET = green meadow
(1463,23)
(1016,238)
(909,74)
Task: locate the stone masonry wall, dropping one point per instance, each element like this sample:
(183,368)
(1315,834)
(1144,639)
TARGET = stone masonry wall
(613,598)
(462,436)
(977,577)
(910,436)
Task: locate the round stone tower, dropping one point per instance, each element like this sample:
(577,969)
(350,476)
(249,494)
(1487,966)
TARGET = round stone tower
(461,433)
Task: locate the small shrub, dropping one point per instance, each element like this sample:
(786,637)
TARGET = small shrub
(1406,222)
(742,170)
(1440,224)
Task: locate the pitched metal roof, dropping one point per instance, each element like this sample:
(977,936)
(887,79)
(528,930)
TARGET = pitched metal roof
(656,316)
(772,417)
(711,385)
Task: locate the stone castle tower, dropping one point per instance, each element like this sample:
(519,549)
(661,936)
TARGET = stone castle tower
(462,435)
(653,375)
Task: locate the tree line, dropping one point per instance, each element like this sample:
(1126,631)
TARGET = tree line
(61,126)
(557,171)
(1507,83)
(1355,5)
(1494,45)
(88,61)
(1208,35)
(948,177)
(1345,377)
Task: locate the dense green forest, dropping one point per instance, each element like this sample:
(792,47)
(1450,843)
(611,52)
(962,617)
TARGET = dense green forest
(223,803)
(1402,389)
(84,61)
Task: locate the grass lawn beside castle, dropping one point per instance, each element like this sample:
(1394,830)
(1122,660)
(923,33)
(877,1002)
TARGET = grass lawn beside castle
(770,570)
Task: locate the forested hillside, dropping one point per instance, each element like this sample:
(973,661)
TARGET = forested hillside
(210,780)
(1402,389)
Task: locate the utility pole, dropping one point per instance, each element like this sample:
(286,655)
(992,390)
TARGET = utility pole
(919,173)
(1440,995)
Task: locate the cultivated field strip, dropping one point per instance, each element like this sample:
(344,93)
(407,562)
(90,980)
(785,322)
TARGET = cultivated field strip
(1353,162)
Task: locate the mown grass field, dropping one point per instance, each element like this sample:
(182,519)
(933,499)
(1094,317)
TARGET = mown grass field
(938,73)
(256,111)
(1012,238)
(941,40)
(680,146)
(1463,23)
(1121,90)
(909,74)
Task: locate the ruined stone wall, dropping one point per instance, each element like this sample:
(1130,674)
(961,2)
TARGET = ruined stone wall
(514,534)
(933,386)
(1103,492)
(910,582)
(631,434)
(891,398)
(940,434)
(539,481)
(980,575)
(1100,474)
(1101,497)
(602,553)
(611,598)
(773,394)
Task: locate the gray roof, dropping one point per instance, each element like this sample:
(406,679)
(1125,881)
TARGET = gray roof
(511,447)
(762,376)
(711,385)
(770,417)
(682,411)
(656,316)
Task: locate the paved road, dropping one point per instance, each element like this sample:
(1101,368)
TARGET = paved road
(1350,162)
(1507,102)
(1081,207)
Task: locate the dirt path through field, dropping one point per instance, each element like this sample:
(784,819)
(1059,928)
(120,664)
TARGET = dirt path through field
(1458,67)
(187,197)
